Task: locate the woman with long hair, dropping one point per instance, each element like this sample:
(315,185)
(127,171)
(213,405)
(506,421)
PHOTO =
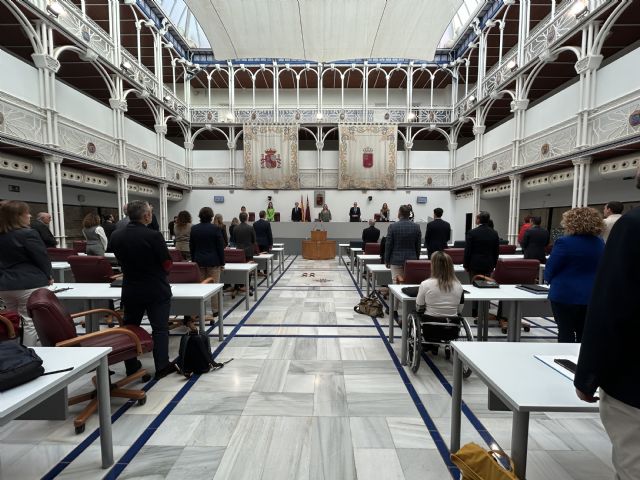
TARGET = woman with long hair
(232,238)
(385,213)
(219,222)
(325,214)
(94,234)
(571,270)
(271,213)
(24,263)
(439,295)
(182,229)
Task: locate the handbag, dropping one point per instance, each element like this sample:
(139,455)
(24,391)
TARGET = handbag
(476,463)
(410,291)
(482,281)
(18,365)
(370,306)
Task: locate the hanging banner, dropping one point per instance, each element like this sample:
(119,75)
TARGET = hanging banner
(271,157)
(367,157)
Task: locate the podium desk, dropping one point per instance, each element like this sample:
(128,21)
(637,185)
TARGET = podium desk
(318,248)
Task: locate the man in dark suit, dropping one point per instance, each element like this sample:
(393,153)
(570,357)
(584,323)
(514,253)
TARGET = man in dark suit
(296,213)
(438,233)
(403,243)
(108,225)
(481,249)
(145,261)
(264,237)
(41,225)
(535,240)
(354,213)
(154,225)
(608,355)
(245,236)
(371,234)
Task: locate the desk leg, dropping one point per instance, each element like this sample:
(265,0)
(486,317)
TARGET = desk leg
(519,440)
(515,323)
(221,314)
(366,281)
(203,311)
(351,260)
(268,273)
(247,289)
(104,412)
(373,282)
(255,282)
(483,321)
(359,275)
(456,402)
(271,264)
(391,320)
(405,333)
(282,261)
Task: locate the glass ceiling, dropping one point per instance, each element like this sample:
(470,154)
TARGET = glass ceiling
(183,19)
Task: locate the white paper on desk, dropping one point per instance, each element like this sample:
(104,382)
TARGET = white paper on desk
(549,360)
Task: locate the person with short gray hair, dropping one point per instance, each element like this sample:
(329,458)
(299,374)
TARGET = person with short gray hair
(41,225)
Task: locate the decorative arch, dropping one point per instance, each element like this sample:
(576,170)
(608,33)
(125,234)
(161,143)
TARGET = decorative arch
(101,70)
(27,27)
(526,88)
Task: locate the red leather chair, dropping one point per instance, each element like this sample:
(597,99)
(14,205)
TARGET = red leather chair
(372,249)
(55,328)
(511,272)
(276,216)
(90,269)
(456,254)
(186,272)
(415,271)
(376,217)
(9,325)
(176,255)
(234,255)
(252,216)
(60,254)
(80,246)
(507,249)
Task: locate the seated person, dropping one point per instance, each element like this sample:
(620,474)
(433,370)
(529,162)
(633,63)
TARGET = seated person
(439,295)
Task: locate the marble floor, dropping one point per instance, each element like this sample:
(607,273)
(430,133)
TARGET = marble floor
(313,391)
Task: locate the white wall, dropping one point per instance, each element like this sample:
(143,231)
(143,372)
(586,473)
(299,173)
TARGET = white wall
(618,78)
(465,154)
(174,153)
(19,78)
(461,206)
(499,210)
(83,109)
(31,191)
(499,137)
(139,136)
(556,109)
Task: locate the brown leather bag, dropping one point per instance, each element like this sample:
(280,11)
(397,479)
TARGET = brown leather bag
(370,306)
(476,463)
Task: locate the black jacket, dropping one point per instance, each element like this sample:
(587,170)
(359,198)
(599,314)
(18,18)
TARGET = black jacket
(354,214)
(245,237)
(206,244)
(481,250)
(145,261)
(109,228)
(296,214)
(609,355)
(24,262)
(534,241)
(437,235)
(264,238)
(44,232)
(154,225)
(370,235)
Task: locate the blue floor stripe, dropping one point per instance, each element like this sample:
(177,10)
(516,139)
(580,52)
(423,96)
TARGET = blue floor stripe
(140,442)
(266,335)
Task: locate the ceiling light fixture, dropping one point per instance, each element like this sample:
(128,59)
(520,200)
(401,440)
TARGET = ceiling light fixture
(55,9)
(411,117)
(319,116)
(512,65)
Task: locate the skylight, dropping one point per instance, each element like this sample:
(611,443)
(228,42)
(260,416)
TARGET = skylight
(180,15)
(460,20)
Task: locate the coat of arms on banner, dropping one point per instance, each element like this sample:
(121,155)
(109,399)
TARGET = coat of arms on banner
(367,157)
(270,159)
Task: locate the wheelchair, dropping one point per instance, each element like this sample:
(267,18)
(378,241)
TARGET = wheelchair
(427,333)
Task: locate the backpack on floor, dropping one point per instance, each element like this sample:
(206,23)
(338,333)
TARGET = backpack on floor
(370,306)
(195,354)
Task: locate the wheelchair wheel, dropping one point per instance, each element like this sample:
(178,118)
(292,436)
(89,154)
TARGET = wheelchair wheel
(414,347)
(466,372)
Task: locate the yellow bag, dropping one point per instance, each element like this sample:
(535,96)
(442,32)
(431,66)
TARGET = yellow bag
(476,463)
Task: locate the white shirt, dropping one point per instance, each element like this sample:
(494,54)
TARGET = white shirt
(439,303)
(608,224)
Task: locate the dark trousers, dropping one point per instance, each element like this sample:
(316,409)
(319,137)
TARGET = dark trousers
(474,305)
(158,314)
(570,319)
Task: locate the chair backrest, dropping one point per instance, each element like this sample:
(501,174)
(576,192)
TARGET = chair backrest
(80,246)
(52,322)
(176,255)
(507,249)
(459,243)
(516,271)
(90,269)
(376,217)
(184,272)
(60,254)
(276,216)
(456,254)
(372,249)
(252,216)
(234,255)
(415,271)
(356,244)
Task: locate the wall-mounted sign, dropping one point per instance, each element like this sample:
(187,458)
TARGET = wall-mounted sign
(421,200)
(14,188)
(218,199)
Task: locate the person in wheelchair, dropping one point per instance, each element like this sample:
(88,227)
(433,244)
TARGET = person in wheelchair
(439,295)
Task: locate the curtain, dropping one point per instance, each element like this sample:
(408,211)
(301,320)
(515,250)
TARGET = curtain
(271,157)
(367,157)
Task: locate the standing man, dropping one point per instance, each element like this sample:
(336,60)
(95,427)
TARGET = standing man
(41,225)
(438,233)
(245,236)
(608,355)
(264,237)
(482,248)
(154,225)
(354,213)
(172,226)
(108,225)
(296,213)
(402,243)
(612,212)
(535,241)
(145,261)
(371,234)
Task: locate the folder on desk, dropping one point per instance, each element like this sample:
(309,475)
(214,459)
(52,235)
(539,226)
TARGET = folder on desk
(534,288)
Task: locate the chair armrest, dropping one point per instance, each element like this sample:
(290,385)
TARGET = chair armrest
(98,310)
(117,276)
(103,333)
(207,280)
(9,326)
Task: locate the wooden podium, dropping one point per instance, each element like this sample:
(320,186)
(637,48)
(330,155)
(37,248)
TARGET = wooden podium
(319,248)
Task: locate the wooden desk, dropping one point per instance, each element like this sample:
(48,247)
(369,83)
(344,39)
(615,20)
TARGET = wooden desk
(319,250)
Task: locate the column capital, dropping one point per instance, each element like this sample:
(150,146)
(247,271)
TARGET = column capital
(408,145)
(117,104)
(589,62)
(47,62)
(124,176)
(160,128)
(476,188)
(90,55)
(582,161)
(479,129)
(231,145)
(319,145)
(188,145)
(515,177)
(52,159)
(163,186)
(453,146)
(519,105)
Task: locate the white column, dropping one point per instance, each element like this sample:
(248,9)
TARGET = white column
(55,203)
(47,66)
(519,108)
(407,163)
(514,208)
(476,199)
(581,167)
(161,131)
(478,131)
(319,148)
(123,193)
(231,145)
(118,107)
(163,209)
(453,153)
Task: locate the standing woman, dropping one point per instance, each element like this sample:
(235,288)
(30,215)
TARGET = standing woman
(94,235)
(24,263)
(232,238)
(271,213)
(219,222)
(182,230)
(411,214)
(385,213)
(571,270)
(325,214)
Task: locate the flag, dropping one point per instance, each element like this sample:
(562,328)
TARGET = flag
(307,213)
(302,206)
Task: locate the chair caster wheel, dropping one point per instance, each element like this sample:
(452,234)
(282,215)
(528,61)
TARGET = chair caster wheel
(80,429)
(146,378)
(504,330)
(110,325)
(447,353)
(142,401)
(527,329)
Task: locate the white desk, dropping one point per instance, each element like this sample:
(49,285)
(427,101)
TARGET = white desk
(279,251)
(265,262)
(377,269)
(343,249)
(363,260)
(353,251)
(21,399)
(482,295)
(184,296)
(60,268)
(242,273)
(281,245)
(544,390)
